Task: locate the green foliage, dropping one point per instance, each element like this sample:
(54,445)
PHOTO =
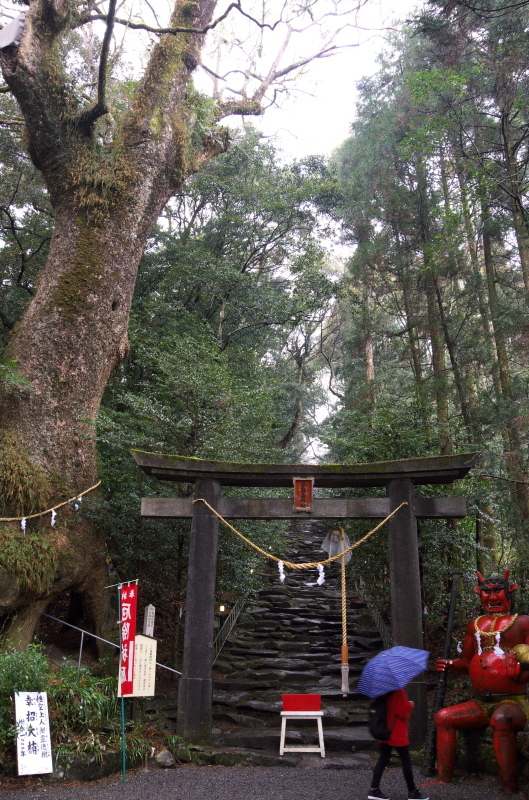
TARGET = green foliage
(230,296)
(202,110)
(430,357)
(84,709)
(179,748)
(85,714)
(25,231)
(12,382)
(395,431)
(80,702)
(19,672)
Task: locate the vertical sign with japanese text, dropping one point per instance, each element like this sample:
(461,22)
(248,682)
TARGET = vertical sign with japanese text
(128,602)
(303,494)
(33,733)
(148,620)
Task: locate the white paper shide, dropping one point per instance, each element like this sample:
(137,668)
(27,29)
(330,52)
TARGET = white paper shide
(33,739)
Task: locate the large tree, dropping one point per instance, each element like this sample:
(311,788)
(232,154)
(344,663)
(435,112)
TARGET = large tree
(109,170)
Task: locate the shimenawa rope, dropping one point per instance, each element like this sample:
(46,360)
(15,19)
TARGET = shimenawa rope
(290,564)
(49,510)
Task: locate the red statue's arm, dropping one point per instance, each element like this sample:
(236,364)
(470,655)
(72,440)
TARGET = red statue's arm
(522,650)
(460,664)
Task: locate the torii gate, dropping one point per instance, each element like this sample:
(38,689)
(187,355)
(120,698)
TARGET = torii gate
(194,718)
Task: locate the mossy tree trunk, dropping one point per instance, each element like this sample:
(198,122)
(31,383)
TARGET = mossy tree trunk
(106,198)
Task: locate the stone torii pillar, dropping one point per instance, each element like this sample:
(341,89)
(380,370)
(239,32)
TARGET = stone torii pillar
(405,592)
(196,685)
(399,479)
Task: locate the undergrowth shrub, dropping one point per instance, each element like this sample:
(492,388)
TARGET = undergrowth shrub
(80,701)
(84,708)
(19,672)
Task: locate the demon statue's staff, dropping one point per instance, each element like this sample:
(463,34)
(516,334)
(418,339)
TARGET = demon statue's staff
(496,657)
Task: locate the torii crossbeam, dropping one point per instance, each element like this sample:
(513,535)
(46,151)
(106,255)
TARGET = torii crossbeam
(399,479)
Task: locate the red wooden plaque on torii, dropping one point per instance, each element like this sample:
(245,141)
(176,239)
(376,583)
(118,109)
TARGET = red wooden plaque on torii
(303,493)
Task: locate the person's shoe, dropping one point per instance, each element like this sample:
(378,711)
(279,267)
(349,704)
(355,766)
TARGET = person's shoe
(377,794)
(417,795)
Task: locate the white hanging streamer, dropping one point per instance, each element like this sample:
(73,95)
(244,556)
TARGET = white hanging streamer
(280,567)
(497,648)
(78,503)
(23,524)
(53,515)
(321,577)
(478,640)
(459,648)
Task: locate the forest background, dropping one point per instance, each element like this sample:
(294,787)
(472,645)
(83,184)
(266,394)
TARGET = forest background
(364,307)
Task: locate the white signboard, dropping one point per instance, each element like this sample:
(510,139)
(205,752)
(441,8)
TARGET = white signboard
(144,666)
(33,739)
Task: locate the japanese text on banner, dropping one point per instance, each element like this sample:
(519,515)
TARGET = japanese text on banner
(128,596)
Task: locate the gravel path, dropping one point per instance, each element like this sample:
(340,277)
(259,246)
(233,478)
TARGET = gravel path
(251,783)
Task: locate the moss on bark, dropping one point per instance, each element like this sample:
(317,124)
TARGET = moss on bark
(31,558)
(24,487)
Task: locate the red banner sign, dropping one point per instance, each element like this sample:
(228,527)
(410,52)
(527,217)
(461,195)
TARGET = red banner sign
(128,603)
(303,494)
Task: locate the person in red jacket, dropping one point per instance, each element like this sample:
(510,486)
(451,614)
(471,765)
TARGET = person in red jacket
(399,710)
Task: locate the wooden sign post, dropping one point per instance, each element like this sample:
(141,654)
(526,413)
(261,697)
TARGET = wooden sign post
(148,620)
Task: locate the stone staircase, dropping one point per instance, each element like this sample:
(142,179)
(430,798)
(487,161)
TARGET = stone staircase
(288,641)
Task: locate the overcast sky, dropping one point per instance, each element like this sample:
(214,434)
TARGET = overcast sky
(317,119)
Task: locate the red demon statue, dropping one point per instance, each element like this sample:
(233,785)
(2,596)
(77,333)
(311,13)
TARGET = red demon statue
(496,657)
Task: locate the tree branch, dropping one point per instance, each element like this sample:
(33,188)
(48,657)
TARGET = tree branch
(91,115)
(488,13)
(242,108)
(142,26)
(6,322)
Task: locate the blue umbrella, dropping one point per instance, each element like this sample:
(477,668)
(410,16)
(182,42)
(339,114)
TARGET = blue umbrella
(391,669)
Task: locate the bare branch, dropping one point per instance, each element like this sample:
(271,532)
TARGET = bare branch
(142,26)
(325,53)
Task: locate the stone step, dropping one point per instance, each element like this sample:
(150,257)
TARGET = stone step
(288,640)
(289,663)
(335,739)
(277,676)
(241,757)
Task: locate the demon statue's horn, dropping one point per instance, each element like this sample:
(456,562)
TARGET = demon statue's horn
(480,577)
(512,586)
